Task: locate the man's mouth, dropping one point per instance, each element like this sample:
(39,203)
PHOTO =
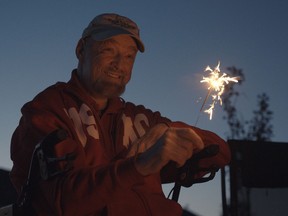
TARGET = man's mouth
(114,75)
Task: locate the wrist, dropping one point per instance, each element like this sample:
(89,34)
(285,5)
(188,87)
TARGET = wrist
(141,165)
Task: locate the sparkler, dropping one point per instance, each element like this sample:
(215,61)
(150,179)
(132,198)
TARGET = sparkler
(216,84)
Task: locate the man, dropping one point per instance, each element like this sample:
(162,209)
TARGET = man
(120,149)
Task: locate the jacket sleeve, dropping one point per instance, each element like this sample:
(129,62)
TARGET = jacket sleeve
(82,190)
(221,159)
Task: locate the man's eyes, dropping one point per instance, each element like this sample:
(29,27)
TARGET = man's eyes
(111,52)
(107,51)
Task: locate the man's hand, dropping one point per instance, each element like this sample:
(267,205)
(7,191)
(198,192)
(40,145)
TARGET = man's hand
(147,140)
(174,144)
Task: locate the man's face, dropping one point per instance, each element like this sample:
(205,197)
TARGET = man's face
(106,66)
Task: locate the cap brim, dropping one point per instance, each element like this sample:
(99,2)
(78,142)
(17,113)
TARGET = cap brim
(104,34)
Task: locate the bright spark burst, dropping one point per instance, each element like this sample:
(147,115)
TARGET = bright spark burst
(216,84)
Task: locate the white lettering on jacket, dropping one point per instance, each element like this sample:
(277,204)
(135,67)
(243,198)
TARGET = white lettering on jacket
(84,120)
(131,128)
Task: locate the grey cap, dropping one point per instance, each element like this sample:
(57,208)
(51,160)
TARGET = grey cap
(107,25)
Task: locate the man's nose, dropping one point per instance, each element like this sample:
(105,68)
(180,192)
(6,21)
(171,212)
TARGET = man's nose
(117,61)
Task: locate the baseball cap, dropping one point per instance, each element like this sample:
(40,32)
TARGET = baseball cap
(107,25)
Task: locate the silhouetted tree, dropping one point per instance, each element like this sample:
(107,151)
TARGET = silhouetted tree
(229,99)
(258,128)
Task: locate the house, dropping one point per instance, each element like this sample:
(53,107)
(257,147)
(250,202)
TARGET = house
(7,192)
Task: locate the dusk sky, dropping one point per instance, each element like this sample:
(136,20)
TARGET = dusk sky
(182,37)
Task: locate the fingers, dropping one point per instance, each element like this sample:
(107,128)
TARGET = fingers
(172,144)
(181,143)
(190,136)
(151,137)
(148,140)
(186,138)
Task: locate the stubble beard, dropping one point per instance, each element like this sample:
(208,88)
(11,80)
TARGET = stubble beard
(108,89)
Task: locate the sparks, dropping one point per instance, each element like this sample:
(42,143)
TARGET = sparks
(216,84)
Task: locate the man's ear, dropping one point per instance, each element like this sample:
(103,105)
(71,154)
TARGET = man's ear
(80,49)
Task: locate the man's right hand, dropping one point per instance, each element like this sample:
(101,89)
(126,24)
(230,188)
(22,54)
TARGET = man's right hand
(176,144)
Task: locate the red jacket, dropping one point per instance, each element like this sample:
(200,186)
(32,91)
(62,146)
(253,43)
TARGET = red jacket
(102,181)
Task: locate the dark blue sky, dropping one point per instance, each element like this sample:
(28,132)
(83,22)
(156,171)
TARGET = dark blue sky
(38,39)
